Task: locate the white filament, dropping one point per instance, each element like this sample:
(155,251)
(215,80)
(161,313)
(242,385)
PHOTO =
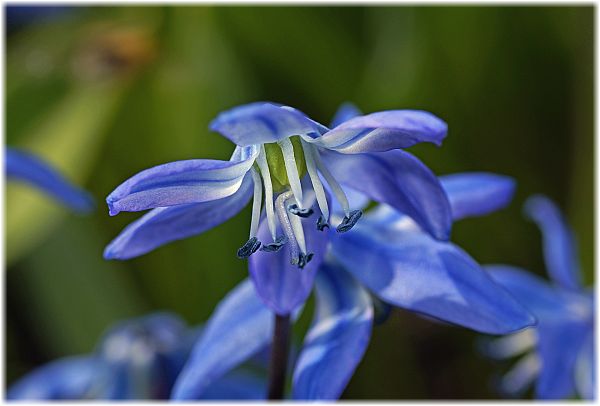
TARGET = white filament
(292,170)
(298,232)
(314,178)
(256,203)
(333,184)
(286,226)
(261,160)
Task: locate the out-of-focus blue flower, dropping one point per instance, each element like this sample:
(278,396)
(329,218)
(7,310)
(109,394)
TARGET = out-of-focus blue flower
(387,255)
(136,359)
(20,16)
(560,350)
(25,167)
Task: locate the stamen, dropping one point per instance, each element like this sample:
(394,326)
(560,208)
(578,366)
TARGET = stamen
(298,232)
(304,213)
(317,185)
(249,248)
(349,221)
(276,245)
(322,223)
(292,170)
(286,226)
(333,184)
(256,203)
(304,259)
(261,160)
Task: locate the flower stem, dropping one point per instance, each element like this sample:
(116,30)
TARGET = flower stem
(280,350)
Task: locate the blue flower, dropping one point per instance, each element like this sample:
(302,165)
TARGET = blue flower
(25,167)
(276,146)
(560,350)
(136,359)
(388,255)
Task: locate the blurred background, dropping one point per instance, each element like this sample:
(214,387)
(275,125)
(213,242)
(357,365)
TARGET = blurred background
(104,92)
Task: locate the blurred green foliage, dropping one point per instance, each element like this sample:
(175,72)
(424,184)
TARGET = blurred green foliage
(108,91)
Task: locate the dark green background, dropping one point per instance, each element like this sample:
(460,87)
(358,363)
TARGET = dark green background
(515,85)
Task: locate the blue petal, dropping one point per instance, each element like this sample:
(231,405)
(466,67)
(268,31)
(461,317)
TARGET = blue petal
(400,180)
(345,112)
(356,200)
(139,358)
(558,347)
(383,131)
(477,193)
(544,301)
(67,378)
(283,286)
(237,385)
(165,224)
(263,122)
(409,269)
(240,326)
(559,242)
(337,339)
(585,372)
(181,182)
(31,169)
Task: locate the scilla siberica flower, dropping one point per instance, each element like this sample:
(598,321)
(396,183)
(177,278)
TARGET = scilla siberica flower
(276,146)
(136,359)
(559,352)
(386,257)
(26,167)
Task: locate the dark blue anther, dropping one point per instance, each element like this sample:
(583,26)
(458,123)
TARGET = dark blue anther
(304,259)
(275,245)
(249,248)
(294,209)
(349,221)
(322,223)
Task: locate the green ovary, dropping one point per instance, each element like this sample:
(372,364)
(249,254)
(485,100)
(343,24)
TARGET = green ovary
(279,176)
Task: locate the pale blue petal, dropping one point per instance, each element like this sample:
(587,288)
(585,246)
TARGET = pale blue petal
(67,378)
(585,370)
(411,270)
(344,113)
(263,122)
(560,249)
(165,224)
(337,339)
(521,376)
(558,347)
(281,285)
(477,193)
(383,131)
(543,300)
(356,200)
(28,168)
(240,326)
(400,180)
(139,358)
(181,182)
(237,385)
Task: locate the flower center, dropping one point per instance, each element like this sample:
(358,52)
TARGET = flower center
(278,170)
(277,167)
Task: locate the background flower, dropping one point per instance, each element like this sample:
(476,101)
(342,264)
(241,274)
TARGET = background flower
(560,349)
(135,359)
